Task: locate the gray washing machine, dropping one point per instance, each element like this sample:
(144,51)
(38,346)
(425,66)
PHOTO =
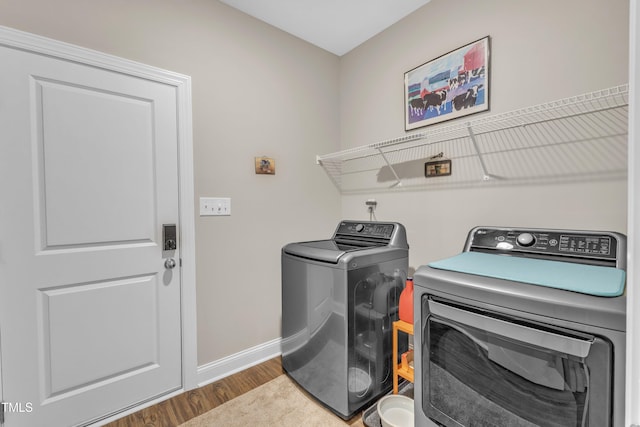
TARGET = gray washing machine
(339,299)
(526,327)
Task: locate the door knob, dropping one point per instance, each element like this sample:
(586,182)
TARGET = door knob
(169,263)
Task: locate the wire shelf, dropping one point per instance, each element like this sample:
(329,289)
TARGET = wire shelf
(569,139)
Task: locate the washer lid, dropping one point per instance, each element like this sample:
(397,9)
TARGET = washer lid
(586,279)
(325,250)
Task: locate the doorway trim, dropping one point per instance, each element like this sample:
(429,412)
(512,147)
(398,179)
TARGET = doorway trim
(16,39)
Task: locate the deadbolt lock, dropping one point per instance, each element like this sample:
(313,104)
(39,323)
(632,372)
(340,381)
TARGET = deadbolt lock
(169,237)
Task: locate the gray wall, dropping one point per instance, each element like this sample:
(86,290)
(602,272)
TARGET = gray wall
(256,91)
(541,51)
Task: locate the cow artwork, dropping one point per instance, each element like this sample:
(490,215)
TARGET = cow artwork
(435,99)
(453,85)
(467,99)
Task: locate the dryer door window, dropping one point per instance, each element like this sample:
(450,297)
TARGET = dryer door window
(483,369)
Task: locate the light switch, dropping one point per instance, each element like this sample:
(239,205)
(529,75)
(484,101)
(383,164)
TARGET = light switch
(215,206)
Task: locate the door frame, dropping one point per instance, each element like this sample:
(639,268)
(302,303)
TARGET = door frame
(12,38)
(632,411)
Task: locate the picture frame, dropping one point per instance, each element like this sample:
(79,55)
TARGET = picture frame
(437,168)
(265,165)
(450,86)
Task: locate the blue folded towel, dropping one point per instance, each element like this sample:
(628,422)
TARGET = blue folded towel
(586,279)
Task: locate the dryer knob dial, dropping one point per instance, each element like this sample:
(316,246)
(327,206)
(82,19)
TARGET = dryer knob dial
(359,227)
(526,239)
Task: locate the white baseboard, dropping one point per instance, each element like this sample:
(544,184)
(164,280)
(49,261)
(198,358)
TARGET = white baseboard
(226,366)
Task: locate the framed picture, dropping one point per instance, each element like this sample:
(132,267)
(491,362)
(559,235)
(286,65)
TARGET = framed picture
(453,85)
(265,165)
(437,168)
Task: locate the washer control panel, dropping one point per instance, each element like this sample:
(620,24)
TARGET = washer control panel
(560,243)
(365,229)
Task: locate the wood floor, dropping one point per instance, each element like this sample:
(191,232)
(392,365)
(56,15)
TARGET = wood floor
(190,404)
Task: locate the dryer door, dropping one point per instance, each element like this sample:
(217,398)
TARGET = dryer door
(484,368)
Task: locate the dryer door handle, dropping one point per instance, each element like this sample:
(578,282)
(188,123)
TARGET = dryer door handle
(522,333)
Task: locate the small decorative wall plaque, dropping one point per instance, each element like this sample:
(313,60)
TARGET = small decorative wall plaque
(437,168)
(265,165)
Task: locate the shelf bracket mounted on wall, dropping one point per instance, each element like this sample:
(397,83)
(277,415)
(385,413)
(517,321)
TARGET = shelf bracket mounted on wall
(398,183)
(486,176)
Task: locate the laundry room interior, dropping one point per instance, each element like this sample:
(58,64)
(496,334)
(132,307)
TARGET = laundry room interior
(260,92)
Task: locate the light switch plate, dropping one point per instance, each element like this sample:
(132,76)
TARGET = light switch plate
(215,206)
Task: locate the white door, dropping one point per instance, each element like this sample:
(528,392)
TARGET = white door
(89,314)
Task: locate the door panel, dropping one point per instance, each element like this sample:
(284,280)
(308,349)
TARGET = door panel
(89,316)
(80,354)
(79,164)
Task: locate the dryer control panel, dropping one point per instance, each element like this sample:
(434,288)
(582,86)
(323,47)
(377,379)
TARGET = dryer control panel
(591,247)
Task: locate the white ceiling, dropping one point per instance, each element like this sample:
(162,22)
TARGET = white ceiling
(334,25)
